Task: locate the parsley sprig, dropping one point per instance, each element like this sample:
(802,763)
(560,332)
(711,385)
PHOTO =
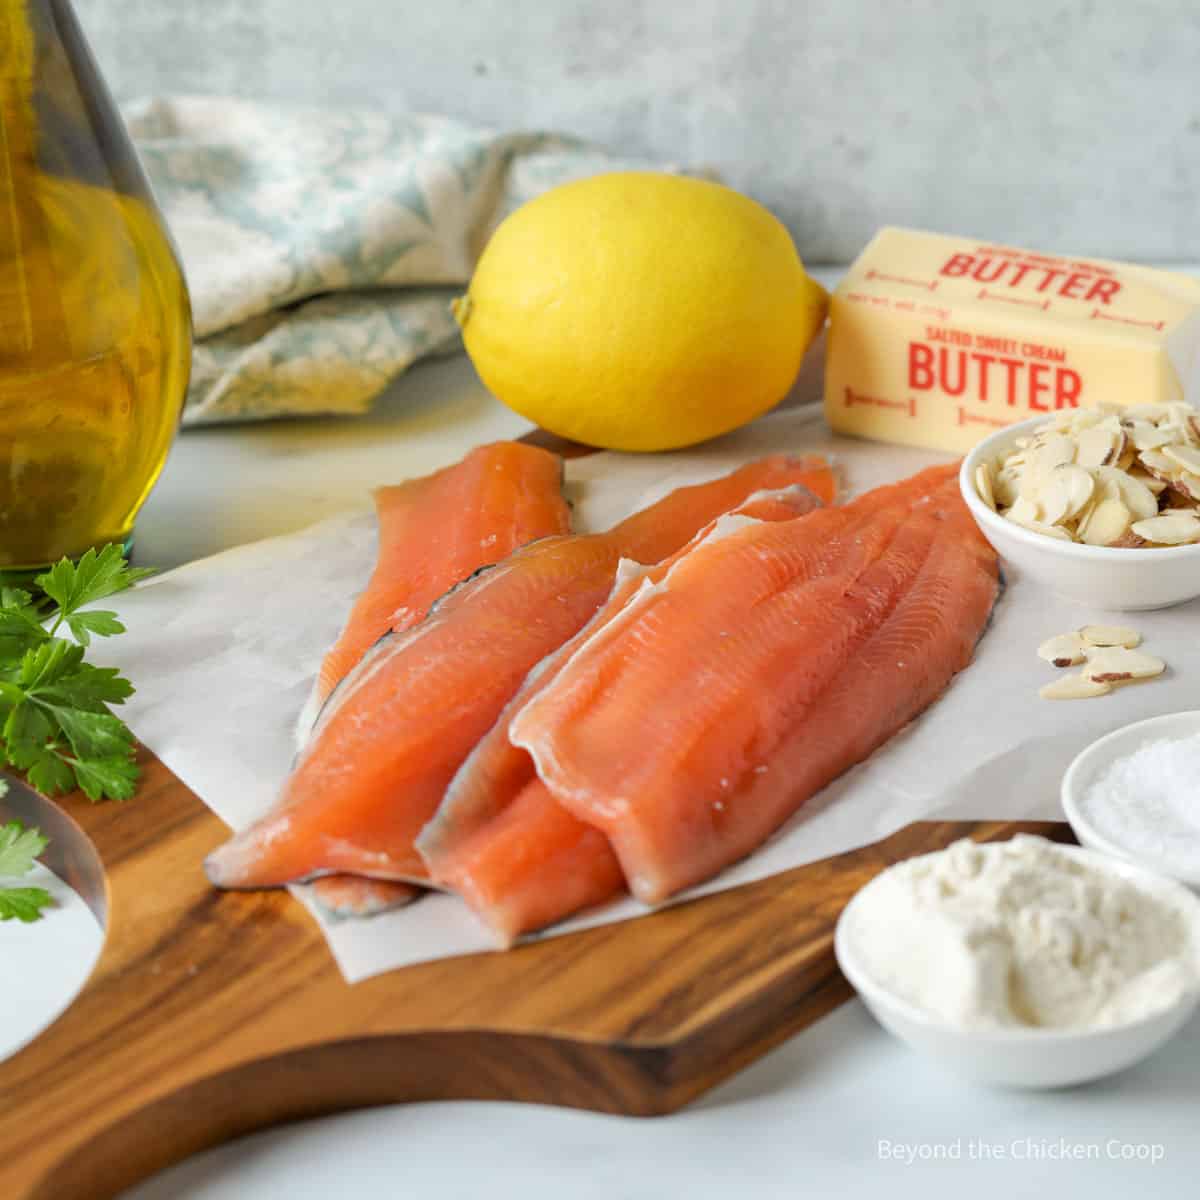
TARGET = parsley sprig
(55,719)
(18,849)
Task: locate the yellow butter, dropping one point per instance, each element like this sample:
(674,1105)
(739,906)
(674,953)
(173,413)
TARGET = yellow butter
(936,341)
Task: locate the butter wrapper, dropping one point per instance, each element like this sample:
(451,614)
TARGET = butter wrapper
(936,341)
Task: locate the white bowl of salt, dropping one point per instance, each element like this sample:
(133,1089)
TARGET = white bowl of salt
(1135,795)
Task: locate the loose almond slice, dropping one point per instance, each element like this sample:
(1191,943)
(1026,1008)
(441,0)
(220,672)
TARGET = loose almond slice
(1065,650)
(1110,635)
(1170,529)
(1187,457)
(1106,523)
(1115,664)
(983,485)
(1074,687)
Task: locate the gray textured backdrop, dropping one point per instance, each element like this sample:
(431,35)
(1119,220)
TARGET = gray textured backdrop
(1064,126)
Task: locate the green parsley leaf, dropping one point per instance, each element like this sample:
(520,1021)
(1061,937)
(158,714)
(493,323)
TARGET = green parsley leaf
(51,772)
(50,662)
(99,621)
(55,719)
(113,777)
(92,734)
(94,576)
(19,847)
(87,687)
(24,903)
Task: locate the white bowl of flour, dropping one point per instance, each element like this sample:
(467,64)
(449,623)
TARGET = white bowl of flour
(1025,963)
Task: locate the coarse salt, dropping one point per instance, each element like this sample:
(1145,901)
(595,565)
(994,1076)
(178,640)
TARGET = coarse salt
(1149,803)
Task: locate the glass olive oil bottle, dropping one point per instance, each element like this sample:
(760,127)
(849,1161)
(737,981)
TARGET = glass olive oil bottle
(95,330)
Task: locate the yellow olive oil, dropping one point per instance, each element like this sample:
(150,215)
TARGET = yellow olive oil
(94,320)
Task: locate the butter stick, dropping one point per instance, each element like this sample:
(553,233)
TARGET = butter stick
(936,341)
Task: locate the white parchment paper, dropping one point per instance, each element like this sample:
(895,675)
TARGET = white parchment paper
(223,652)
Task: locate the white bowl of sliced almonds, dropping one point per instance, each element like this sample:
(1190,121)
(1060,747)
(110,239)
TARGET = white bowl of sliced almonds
(1101,506)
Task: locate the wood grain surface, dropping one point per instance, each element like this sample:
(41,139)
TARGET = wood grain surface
(211,1014)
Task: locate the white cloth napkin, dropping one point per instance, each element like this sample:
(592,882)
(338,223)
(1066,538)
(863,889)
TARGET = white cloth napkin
(223,651)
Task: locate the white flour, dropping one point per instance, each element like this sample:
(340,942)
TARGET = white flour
(1149,803)
(1021,934)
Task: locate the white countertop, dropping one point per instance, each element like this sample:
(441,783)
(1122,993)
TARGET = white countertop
(810,1115)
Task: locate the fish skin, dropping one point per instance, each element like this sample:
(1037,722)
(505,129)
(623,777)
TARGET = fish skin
(356,896)
(390,738)
(722,732)
(503,495)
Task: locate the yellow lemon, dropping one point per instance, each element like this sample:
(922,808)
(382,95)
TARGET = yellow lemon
(639,311)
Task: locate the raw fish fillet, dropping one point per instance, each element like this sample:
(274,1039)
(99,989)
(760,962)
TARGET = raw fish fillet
(434,532)
(437,530)
(392,735)
(730,669)
(501,840)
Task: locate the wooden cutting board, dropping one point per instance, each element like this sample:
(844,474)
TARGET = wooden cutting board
(211,1014)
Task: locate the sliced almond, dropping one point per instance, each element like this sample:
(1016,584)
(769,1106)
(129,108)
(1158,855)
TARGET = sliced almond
(1053,452)
(1134,494)
(1110,635)
(1099,445)
(1057,532)
(1106,523)
(1156,485)
(1115,664)
(1159,465)
(1066,493)
(1125,455)
(1006,487)
(1074,687)
(1129,541)
(983,485)
(1065,650)
(1147,412)
(1024,511)
(1188,485)
(1145,435)
(1170,529)
(1187,457)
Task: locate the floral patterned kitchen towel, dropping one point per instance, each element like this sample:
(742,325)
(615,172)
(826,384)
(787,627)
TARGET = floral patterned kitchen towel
(321,248)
